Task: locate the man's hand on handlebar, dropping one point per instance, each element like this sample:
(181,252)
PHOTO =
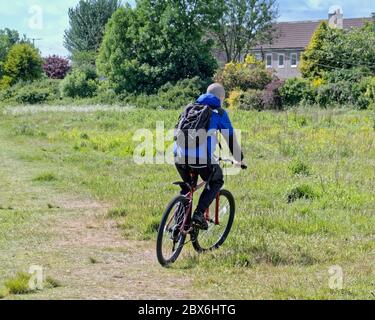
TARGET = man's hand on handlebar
(241,165)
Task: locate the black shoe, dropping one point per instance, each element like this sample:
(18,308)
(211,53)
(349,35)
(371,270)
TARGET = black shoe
(200,221)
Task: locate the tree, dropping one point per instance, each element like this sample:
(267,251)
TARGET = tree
(243,24)
(79,84)
(313,60)
(7,39)
(159,41)
(56,67)
(87,24)
(24,63)
(332,49)
(250,74)
(352,49)
(116,53)
(370,25)
(83,59)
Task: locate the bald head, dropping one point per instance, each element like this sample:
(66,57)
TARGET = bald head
(217,90)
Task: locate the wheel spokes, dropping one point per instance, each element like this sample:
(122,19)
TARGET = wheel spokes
(209,238)
(172,237)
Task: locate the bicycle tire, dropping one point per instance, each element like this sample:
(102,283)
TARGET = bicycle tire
(197,244)
(167,261)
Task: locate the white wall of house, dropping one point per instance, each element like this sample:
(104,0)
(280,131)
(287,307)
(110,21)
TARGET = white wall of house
(284,62)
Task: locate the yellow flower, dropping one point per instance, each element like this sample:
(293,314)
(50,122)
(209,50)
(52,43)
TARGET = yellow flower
(317,82)
(233,99)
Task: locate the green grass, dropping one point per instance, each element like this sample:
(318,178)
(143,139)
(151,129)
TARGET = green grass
(117,213)
(93,260)
(303,191)
(4,292)
(52,283)
(299,167)
(19,284)
(45,177)
(305,204)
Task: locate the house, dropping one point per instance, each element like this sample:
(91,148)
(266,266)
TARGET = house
(292,38)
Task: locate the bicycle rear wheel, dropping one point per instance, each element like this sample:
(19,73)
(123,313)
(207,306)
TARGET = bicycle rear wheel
(216,234)
(171,241)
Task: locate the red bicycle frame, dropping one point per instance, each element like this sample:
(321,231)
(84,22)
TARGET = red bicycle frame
(187,217)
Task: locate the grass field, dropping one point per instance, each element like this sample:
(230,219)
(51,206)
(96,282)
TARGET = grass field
(306,204)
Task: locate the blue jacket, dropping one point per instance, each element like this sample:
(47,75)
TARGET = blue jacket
(219,121)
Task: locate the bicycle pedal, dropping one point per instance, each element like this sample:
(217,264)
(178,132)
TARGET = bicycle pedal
(194,235)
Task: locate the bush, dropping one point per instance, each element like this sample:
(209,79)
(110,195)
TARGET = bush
(271,95)
(251,100)
(105,94)
(32,92)
(182,93)
(250,74)
(233,99)
(341,93)
(56,67)
(295,91)
(170,96)
(33,96)
(5,82)
(23,63)
(337,75)
(8,38)
(80,84)
(367,87)
(81,59)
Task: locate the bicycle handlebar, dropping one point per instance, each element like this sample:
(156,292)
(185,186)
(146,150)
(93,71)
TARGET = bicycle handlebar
(243,167)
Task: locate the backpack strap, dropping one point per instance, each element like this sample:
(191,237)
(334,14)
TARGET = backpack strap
(221,111)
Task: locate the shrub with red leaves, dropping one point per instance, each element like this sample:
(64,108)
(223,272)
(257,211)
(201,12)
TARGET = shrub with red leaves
(56,67)
(271,95)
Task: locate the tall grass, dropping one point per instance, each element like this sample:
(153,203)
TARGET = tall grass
(307,200)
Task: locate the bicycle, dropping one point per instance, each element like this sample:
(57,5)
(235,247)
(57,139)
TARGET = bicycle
(176,223)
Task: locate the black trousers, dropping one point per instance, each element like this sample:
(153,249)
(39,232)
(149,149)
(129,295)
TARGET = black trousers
(212,173)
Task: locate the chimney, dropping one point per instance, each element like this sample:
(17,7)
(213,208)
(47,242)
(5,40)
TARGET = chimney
(336,17)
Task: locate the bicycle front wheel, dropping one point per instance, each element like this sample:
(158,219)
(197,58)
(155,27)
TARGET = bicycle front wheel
(223,209)
(171,241)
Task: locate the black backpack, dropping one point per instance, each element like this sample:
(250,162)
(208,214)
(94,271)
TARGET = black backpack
(193,121)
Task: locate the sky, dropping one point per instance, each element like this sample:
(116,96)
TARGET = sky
(46,20)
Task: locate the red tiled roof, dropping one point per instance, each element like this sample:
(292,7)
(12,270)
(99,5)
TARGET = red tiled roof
(298,34)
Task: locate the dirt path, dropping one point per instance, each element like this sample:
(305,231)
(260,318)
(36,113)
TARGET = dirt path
(76,244)
(99,263)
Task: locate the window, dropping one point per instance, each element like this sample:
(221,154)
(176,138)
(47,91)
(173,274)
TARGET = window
(293,60)
(269,60)
(258,56)
(281,60)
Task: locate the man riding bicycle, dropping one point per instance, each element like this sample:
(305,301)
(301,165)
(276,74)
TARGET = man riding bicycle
(198,159)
